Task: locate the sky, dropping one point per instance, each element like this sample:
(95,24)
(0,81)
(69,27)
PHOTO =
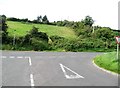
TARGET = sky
(103,12)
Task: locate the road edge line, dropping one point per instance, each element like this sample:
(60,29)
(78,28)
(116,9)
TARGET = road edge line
(107,71)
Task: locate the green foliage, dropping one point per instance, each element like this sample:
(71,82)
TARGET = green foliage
(45,20)
(39,44)
(50,30)
(104,34)
(39,19)
(17,19)
(108,61)
(38,40)
(74,36)
(39,35)
(3,29)
(34,31)
(88,21)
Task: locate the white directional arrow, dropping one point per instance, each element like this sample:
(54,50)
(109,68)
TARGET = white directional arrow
(75,76)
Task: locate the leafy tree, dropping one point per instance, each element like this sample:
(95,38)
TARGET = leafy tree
(39,19)
(39,35)
(3,23)
(34,31)
(106,34)
(45,20)
(3,29)
(88,21)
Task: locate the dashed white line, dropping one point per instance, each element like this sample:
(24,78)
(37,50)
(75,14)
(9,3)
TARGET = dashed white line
(3,57)
(32,80)
(19,57)
(12,56)
(30,62)
(71,76)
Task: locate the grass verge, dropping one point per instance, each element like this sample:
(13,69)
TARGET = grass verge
(108,61)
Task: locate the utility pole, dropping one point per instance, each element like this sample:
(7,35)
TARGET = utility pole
(93,29)
(14,38)
(117,51)
(118,42)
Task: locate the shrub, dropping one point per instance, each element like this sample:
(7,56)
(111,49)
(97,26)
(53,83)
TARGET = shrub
(38,45)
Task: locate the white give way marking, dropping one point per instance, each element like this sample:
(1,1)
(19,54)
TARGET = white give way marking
(76,76)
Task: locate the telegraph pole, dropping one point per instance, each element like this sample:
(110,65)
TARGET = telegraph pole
(117,51)
(14,38)
(118,42)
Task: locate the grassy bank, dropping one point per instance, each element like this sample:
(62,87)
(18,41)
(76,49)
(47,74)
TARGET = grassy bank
(59,38)
(108,61)
(23,28)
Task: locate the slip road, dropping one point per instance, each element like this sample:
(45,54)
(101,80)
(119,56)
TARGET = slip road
(53,69)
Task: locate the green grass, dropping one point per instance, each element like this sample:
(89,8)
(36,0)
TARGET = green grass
(23,28)
(108,61)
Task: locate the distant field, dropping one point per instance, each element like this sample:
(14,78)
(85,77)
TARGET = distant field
(23,28)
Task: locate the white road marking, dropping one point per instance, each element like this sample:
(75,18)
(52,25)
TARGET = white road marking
(32,80)
(71,76)
(26,57)
(3,57)
(30,62)
(19,57)
(12,56)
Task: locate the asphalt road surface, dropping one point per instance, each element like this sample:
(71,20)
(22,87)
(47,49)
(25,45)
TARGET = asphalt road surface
(53,69)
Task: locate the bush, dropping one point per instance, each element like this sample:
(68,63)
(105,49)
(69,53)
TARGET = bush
(39,45)
(39,35)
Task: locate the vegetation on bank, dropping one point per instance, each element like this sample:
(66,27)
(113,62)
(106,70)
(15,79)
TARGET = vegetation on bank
(108,61)
(42,35)
(21,29)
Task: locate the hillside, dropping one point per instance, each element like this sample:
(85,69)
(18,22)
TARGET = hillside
(81,38)
(23,28)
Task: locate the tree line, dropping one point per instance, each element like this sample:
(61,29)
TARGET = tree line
(89,36)
(39,19)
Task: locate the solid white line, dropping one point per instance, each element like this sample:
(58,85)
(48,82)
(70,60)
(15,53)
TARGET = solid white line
(63,70)
(32,80)
(30,62)
(26,57)
(71,76)
(12,56)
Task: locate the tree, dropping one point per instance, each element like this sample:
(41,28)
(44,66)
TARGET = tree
(3,29)
(34,31)
(3,23)
(45,20)
(88,21)
(38,35)
(39,19)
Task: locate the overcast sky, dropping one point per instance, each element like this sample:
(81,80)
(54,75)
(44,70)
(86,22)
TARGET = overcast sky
(104,12)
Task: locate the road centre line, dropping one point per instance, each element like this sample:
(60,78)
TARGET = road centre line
(32,80)
(3,57)
(12,56)
(30,61)
(71,76)
(20,57)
